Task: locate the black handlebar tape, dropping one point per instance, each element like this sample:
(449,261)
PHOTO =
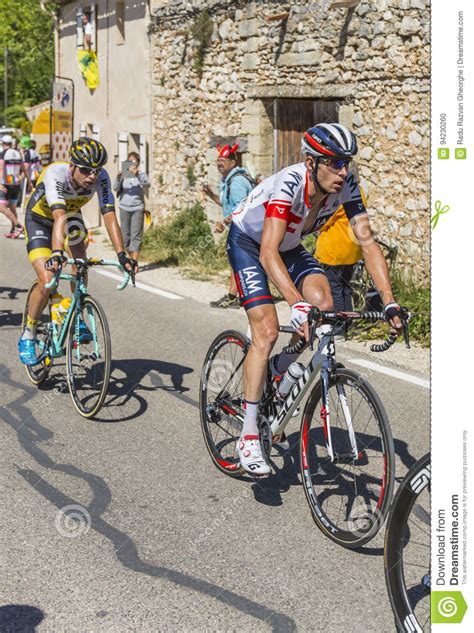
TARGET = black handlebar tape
(372,316)
(383,347)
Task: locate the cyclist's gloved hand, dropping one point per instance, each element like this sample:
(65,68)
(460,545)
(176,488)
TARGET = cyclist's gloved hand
(299,316)
(393,314)
(128,264)
(56,260)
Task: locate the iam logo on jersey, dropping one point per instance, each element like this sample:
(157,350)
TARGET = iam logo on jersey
(250,285)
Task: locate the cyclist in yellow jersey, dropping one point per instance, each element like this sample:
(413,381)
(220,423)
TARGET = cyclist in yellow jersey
(53,211)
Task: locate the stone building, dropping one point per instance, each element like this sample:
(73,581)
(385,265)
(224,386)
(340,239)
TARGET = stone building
(262,72)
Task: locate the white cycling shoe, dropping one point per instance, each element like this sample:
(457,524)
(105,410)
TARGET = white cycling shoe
(251,457)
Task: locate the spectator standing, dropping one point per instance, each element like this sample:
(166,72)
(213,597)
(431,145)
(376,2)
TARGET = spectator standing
(35,163)
(87,30)
(31,160)
(131,194)
(11,170)
(235,186)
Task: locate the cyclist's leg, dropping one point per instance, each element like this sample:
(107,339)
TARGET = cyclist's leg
(303,267)
(252,284)
(5,209)
(38,246)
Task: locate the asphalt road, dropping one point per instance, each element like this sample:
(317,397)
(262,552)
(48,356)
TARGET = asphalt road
(164,541)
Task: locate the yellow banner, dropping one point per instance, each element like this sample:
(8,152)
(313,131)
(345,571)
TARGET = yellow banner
(89,66)
(62,121)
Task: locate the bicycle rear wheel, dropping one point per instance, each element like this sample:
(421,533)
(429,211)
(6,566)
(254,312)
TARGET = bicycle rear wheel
(38,373)
(89,362)
(222,399)
(407,550)
(349,496)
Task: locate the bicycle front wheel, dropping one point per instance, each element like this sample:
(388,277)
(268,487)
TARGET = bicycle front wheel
(350,492)
(221,399)
(88,357)
(38,373)
(407,550)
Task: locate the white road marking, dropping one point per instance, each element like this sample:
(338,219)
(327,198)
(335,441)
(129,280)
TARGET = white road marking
(152,289)
(401,375)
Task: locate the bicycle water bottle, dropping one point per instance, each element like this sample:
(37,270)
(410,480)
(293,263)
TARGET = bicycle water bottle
(60,308)
(291,377)
(55,303)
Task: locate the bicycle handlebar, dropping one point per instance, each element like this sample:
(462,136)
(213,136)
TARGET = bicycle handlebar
(316,317)
(87,263)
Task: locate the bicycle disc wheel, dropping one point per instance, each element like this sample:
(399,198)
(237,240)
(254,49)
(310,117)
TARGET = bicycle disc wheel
(222,397)
(38,373)
(88,362)
(350,495)
(407,550)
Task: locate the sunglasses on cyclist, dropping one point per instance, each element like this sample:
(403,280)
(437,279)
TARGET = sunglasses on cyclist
(335,163)
(89,171)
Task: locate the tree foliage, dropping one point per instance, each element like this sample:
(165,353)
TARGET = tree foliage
(27,32)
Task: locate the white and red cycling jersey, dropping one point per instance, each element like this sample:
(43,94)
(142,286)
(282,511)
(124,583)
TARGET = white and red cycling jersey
(285,195)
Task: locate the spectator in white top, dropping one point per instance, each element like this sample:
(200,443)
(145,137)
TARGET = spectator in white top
(11,169)
(87,29)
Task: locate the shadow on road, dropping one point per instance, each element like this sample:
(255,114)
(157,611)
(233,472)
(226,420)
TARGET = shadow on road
(20,618)
(31,434)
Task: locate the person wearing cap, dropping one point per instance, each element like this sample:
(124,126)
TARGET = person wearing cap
(235,186)
(31,159)
(11,171)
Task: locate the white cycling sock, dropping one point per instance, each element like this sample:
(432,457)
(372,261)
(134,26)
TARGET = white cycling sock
(250,426)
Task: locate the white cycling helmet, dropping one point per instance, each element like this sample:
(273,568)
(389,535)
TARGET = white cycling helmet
(7,139)
(329,140)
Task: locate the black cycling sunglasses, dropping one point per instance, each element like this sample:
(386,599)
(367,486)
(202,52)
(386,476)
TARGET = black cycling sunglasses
(336,163)
(89,171)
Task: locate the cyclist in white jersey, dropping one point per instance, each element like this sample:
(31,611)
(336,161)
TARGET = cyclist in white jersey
(265,242)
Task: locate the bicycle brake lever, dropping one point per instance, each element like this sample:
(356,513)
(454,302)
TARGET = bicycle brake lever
(312,335)
(405,316)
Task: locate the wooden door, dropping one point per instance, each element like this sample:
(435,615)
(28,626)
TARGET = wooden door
(292,117)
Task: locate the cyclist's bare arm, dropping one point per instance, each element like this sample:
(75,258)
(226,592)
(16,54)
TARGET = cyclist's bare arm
(273,234)
(113,229)
(374,261)
(26,175)
(59,227)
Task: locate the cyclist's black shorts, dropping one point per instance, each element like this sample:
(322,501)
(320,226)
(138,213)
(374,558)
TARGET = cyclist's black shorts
(39,231)
(252,281)
(11,194)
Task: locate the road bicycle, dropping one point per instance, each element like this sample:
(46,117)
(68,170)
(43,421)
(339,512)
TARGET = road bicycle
(346,447)
(83,337)
(407,550)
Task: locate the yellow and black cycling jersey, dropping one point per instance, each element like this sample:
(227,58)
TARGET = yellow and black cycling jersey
(55,189)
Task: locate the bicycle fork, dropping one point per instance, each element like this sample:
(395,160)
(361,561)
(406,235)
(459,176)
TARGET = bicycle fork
(325,415)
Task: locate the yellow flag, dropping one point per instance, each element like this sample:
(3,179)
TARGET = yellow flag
(89,66)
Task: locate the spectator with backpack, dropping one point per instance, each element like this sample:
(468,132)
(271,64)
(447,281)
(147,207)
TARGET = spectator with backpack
(31,159)
(236,184)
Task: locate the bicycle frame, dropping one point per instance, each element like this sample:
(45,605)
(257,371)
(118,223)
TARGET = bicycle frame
(322,362)
(58,338)
(58,335)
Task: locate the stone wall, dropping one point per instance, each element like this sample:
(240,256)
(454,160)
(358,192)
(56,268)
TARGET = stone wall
(375,59)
